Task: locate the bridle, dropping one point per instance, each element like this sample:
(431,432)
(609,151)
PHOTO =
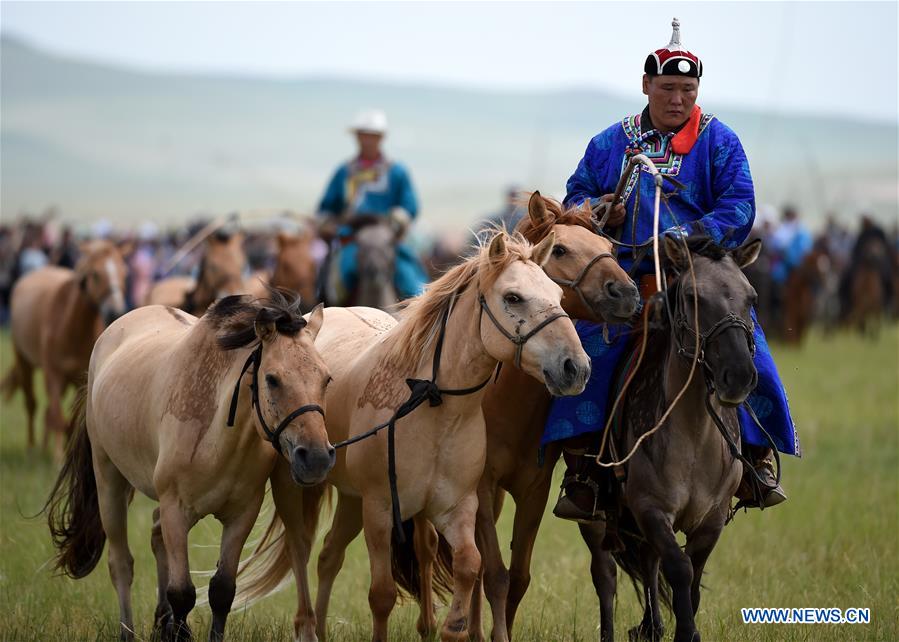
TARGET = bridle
(274,436)
(575,283)
(520,339)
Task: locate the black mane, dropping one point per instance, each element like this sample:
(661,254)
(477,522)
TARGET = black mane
(236,316)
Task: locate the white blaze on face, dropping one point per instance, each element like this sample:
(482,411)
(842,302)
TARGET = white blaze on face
(116,298)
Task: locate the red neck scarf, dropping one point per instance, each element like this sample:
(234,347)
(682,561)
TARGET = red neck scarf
(683,141)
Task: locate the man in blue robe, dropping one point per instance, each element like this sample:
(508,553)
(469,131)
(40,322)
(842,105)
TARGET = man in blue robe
(718,201)
(372,185)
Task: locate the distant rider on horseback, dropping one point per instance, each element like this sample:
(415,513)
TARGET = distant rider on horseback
(370,186)
(718,201)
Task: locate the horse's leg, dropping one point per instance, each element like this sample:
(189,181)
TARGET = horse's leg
(25,376)
(475,614)
(528,515)
(425,543)
(162,617)
(677,569)
(222,586)
(180,592)
(603,573)
(54,420)
(113,495)
(700,544)
(457,527)
(494,572)
(345,527)
(651,627)
(382,592)
(298,509)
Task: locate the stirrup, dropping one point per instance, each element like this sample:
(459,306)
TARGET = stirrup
(565,507)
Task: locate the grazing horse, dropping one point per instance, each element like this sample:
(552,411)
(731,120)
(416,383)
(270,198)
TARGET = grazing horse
(162,415)
(497,295)
(57,314)
(220,274)
(515,406)
(682,478)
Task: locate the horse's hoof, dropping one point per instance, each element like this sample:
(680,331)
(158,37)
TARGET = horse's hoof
(641,633)
(692,636)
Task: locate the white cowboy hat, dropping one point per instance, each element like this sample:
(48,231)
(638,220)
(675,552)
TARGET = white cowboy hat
(370,121)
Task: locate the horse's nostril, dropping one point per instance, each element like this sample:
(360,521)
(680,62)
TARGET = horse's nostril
(569,368)
(300,453)
(613,290)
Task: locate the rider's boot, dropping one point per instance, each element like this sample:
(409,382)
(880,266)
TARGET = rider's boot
(586,488)
(772,492)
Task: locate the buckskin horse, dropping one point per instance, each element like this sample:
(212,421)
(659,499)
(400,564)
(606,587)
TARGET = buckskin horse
(57,314)
(220,274)
(497,306)
(698,369)
(161,415)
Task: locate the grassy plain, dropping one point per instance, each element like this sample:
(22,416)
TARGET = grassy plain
(834,544)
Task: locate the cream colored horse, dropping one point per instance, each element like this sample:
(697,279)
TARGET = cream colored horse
(57,314)
(160,397)
(498,294)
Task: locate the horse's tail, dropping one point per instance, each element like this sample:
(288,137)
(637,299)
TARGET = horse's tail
(267,568)
(629,559)
(73,511)
(407,569)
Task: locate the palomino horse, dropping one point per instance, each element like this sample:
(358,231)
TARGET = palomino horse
(683,477)
(162,415)
(57,314)
(294,269)
(515,407)
(220,274)
(497,306)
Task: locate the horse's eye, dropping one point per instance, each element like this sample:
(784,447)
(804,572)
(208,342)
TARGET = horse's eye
(511,298)
(272,381)
(559,250)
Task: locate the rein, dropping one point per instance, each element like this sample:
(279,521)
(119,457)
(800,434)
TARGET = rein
(575,283)
(518,339)
(274,436)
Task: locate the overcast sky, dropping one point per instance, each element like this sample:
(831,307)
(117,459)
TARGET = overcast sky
(836,58)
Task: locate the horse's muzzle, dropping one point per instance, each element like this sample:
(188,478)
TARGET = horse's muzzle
(309,465)
(619,302)
(733,383)
(568,376)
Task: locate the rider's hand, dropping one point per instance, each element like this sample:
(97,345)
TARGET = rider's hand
(616,216)
(399,221)
(327,228)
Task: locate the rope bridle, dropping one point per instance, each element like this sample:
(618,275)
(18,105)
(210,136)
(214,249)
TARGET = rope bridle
(518,339)
(273,436)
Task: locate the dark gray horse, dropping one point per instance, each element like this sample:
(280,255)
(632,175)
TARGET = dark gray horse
(682,478)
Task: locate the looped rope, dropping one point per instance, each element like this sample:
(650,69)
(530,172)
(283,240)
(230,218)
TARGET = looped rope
(273,436)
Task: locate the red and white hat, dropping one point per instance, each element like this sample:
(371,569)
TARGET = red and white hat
(673,60)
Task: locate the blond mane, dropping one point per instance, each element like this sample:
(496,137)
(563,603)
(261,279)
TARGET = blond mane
(421,315)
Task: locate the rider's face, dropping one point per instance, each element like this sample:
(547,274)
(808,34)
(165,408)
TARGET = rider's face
(671,99)
(369,144)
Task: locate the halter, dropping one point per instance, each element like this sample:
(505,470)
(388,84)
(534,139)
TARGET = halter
(520,339)
(575,283)
(274,436)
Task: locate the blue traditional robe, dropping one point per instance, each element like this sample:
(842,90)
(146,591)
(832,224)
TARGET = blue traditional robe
(374,190)
(718,201)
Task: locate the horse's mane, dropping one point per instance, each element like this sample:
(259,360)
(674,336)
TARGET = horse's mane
(422,314)
(559,215)
(235,317)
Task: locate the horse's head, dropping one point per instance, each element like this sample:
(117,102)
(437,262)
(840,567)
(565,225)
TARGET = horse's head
(525,304)
(221,268)
(376,243)
(295,267)
(101,274)
(717,291)
(289,376)
(594,285)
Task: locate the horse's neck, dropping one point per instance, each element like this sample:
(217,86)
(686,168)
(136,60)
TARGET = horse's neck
(81,316)
(464,361)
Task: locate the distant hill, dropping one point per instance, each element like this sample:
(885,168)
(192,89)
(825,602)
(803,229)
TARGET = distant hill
(100,141)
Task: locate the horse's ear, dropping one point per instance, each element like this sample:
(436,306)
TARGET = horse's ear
(537,209)
(265,330)
(316,318)
(746,254)
(676,251)
(497,248)
(543,249)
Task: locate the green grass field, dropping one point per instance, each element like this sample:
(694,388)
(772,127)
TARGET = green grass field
(834,544)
